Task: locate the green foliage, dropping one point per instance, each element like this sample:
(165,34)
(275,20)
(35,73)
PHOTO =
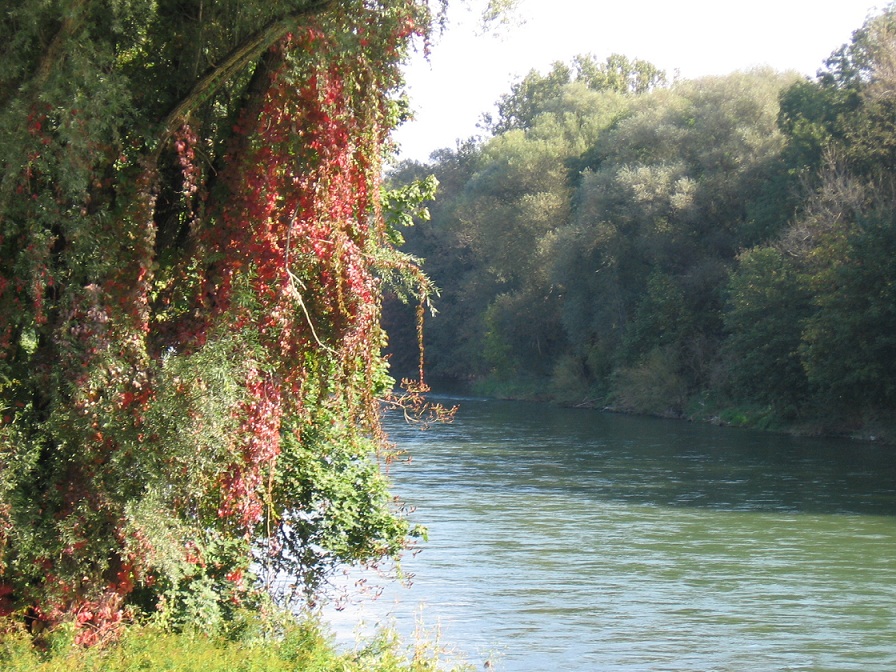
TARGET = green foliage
(551,264)
(537,94)
(193,237)
(661,318)
(260,646)
(653,385)
(851,104)
(619,241)
(849,343)
(618,73)
(402,205)
(840,244)
(529,97)
(765,318)
(659,215)
(809,117)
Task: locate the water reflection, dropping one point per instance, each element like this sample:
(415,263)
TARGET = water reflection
(657,462)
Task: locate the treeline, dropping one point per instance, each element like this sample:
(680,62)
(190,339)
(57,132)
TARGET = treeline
(717,247)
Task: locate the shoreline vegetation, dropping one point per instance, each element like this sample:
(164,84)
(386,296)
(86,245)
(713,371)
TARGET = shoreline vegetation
(705,410)
(718,249)
(254,643)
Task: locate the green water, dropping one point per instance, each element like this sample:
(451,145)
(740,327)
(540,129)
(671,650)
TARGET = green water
(574,540)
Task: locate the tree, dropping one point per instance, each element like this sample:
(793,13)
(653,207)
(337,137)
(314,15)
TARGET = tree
(848,349)
(841,136)
(618,73)
(454,334)
(850,105)
(191,246)
(671,191)
(529,97)
(537,93)
(765,316)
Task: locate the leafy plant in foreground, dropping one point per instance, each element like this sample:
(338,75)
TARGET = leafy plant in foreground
(191,250)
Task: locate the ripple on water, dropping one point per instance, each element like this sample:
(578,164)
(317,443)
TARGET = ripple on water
(579,541)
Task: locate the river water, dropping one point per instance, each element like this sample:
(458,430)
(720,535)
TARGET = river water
(574,540)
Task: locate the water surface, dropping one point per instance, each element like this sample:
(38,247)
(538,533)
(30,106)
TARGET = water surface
(574,540)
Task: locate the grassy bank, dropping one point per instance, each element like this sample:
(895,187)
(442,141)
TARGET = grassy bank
(251,646)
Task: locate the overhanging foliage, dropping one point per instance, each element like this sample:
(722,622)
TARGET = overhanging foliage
(190,244)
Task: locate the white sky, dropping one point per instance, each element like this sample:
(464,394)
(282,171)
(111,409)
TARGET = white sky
(468,71)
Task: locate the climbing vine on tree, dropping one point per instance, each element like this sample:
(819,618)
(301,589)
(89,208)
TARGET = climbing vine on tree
(192,250)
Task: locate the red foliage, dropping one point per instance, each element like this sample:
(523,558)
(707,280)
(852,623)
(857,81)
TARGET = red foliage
(297,215)
(281,247)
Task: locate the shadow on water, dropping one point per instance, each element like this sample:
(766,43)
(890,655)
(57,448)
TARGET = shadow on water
(654,462)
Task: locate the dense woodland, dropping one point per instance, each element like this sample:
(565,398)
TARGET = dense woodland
(723,248)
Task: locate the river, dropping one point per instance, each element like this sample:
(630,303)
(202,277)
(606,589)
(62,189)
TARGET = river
(574,540)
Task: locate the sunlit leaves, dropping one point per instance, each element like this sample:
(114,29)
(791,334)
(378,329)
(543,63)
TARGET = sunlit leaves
(191,238)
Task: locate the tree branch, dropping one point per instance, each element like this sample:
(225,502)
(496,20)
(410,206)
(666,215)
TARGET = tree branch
(70,24)
(238,57)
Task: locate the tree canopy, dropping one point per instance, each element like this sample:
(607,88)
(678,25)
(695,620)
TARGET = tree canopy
(192,252)
(719,247)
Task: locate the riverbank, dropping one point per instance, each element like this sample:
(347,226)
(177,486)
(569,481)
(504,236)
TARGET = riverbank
(701,408)
(254,644)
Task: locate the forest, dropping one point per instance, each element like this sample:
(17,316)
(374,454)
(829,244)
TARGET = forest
(719,249)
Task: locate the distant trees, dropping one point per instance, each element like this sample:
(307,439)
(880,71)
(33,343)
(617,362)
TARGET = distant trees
(670,248)
(666,201)
(535,93)
(836,253)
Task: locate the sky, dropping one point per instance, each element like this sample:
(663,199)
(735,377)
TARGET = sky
(468,70)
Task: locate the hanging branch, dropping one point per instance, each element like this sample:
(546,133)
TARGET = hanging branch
(72,22)
(237,59)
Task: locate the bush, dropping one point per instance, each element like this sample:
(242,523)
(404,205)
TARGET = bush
(653,385)
(287,645)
